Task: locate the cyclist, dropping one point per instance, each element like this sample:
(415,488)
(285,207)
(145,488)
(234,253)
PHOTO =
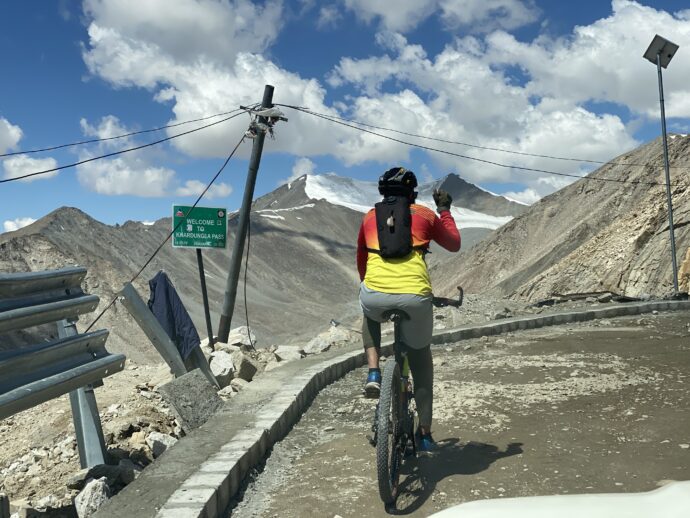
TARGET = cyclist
(404,283)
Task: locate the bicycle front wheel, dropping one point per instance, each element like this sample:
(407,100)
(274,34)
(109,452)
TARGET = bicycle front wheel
(388,453)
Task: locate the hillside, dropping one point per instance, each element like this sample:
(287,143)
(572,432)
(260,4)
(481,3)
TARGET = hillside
(589,236)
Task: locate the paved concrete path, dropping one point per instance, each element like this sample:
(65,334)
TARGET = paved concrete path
(581,408)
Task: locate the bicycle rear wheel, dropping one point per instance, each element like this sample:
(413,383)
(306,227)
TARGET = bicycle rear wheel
(388,452)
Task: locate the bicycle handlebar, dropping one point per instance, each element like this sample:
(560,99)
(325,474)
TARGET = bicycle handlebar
(442,302)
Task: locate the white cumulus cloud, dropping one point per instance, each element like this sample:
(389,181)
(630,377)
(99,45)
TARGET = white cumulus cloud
(119,177)
(603,61)
(20,165)
(15,224)
(10,135)
(302,166)
(128,174)
(528,196)
(468,92)
(195,188)
(478,15)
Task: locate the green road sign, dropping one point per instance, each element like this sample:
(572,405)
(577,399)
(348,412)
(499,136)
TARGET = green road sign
(204,227)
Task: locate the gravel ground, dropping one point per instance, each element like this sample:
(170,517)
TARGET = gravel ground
(591,407)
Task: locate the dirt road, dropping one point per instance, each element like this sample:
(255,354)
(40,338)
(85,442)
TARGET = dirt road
(596,407)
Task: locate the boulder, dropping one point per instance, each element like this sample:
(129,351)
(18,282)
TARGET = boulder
(318,344)
(338,334)
(220,346)
(241,335)
(138,438)
(92,497)
(286,353)
(159,442)
(113,474)
(606,297)
(222,367)
(245,366)
(49,501)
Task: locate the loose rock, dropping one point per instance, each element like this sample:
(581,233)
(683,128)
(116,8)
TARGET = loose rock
(92,497)
(222,367)
(159,442)
(245,366)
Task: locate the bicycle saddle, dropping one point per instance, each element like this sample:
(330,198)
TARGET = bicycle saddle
(395,313)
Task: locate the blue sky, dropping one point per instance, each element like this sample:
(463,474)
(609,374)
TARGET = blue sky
(544,77)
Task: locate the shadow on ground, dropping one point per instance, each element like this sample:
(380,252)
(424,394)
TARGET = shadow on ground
(452,458)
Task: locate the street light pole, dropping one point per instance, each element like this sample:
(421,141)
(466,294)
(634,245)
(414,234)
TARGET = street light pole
(668,176)
(660,52)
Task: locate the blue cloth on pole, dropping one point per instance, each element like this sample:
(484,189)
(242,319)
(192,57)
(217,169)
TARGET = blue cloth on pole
(167,307)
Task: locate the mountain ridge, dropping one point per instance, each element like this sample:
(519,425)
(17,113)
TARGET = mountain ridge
(589,236)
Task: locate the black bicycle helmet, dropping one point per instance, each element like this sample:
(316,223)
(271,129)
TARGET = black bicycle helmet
(397,181)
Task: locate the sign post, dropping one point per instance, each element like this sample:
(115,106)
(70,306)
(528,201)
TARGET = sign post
(202,227)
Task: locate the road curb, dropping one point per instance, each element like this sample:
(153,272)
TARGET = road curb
(208,492)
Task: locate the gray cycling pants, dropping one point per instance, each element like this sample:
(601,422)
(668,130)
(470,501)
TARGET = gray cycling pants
(415,332)
(420,327)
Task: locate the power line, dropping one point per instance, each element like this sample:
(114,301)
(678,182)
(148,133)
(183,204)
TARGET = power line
(148,261)
(140,132)
(482,160)
(115,153)
(467,144)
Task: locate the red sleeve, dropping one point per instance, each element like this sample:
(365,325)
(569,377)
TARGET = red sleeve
(362,253)
(445,232)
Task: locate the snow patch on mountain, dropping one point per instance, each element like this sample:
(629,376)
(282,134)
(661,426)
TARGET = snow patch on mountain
(361,196)
(502,196)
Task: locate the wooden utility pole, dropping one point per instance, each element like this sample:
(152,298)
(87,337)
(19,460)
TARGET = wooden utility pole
(238,245)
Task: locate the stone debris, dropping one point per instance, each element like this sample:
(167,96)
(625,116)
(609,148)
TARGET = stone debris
(48,501)
(286,353)
(92,497)
(222,367)
(220,346)
(503,313)
(159,442)
(245,366)
(317,345)
(322,342)
(241,336)
(113,474)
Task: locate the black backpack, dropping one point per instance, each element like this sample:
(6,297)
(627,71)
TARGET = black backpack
(394,227)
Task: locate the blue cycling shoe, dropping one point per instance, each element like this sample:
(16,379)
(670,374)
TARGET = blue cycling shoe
(425,442)
(372,387)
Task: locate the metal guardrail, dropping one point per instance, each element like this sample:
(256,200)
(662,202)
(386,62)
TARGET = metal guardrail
(74,363)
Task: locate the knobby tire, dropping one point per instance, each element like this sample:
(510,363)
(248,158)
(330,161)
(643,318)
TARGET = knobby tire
(388,454)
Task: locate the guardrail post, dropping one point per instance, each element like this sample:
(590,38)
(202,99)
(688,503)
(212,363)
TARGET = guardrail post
(160,339)
(4,506)
(87,423)
(153,330)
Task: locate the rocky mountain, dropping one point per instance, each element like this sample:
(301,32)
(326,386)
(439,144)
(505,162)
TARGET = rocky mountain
(477,212)
(590,236)
(301,262)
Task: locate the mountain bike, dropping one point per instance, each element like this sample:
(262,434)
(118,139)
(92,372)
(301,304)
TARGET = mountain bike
(395,420)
